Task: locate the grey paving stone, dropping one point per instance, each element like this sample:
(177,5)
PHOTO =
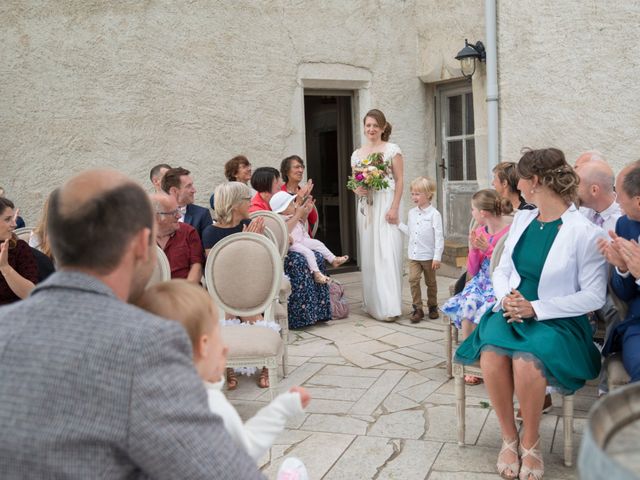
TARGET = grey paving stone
(318,422)
(406,424)
(372,346)
(341,381)
(368,403)
(396,403)
(374,331)
(417,354)
(351,371)
(413,462)
(453,458)
(364,457)
(361,359)
(409,380)
(344,394)
(332,445)
(400,339)
(442,424)
(418,393)
(328,406)
(329,360)
(392,356)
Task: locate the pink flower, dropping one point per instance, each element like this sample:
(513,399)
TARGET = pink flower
(359,177)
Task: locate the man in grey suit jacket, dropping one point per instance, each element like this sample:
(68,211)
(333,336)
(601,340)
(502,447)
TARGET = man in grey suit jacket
(90,386)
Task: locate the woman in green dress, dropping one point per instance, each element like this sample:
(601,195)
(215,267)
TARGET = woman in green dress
(537,334)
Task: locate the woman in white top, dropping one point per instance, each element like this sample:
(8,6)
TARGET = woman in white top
(380,238)
(537,334)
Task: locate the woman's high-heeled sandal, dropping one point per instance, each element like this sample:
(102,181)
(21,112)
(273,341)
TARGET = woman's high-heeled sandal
(528,473)
(504,467)
(232,380)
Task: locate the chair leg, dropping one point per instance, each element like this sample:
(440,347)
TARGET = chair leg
(273,381)
(567,421)
(458,374)
(285,359)
(448,345)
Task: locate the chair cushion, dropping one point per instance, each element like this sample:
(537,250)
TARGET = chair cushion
(616,371)
(251,341)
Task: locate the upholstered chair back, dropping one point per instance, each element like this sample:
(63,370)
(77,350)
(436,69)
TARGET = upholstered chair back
(277,228)
(23,233)
(243,273)
(162,270)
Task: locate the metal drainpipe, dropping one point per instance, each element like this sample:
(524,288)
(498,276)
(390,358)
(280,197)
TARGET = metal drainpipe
(492,84)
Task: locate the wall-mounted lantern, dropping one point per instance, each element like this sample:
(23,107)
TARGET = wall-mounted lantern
(468,56)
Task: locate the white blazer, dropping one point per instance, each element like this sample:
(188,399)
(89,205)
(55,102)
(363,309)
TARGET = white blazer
(574,277)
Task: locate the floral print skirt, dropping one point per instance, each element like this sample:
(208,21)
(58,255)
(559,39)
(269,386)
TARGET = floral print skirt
(309,301)
(475,299)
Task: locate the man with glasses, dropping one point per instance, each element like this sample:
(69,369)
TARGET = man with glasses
(179,240)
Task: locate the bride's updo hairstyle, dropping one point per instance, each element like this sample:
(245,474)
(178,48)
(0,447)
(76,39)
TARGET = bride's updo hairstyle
(552,170)
(382,123)
(489,200)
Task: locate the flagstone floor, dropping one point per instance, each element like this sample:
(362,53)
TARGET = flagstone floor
(384,408)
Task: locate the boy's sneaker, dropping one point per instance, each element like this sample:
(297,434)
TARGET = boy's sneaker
(417,315)
(292,469)
(434,313)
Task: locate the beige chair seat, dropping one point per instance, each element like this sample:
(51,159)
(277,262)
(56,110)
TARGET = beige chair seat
(249,342)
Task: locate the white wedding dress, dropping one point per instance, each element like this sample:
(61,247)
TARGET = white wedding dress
(380,249)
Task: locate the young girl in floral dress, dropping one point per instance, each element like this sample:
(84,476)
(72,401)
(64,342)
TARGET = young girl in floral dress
(466,308)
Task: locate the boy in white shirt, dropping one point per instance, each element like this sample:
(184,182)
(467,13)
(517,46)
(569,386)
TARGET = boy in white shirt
(426,243)
(191,306)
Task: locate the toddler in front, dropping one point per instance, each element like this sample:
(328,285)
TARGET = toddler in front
(426,243)
(190,305)
(284,204)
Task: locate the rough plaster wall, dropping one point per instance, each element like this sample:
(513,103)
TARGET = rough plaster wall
(128,84)
(568,77)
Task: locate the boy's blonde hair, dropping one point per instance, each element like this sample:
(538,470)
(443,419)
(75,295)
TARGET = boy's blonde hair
(181,301)
(424,185)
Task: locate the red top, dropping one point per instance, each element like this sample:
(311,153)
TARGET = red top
(183,249)
(23,262)
(313,214)
(257,204)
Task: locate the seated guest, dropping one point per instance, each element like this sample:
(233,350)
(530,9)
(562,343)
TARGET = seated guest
(266,182)
(105,389)
(238,169)
(624,254)
(19,221)
(292,170)
(232,213)
(596,195)
(192,307)
(467,307)
(549,276)
(505,181)
(156,174)
(179,241)
(18,268)
(178,183)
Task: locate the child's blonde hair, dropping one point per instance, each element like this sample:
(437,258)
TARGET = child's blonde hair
(181,301)
(424,185)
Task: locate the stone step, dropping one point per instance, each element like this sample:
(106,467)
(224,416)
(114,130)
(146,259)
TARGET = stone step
(455,253)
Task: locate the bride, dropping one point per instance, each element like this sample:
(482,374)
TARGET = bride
(380,238)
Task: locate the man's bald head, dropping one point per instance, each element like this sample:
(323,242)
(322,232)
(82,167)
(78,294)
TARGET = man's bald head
(589,157)
(93,217)
(167,214)
(597,173)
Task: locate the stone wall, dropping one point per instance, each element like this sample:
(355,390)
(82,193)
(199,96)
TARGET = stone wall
(568,76)
(125,84)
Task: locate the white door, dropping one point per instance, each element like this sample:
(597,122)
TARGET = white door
(457,181)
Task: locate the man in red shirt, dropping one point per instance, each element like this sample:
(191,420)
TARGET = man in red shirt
(179,241)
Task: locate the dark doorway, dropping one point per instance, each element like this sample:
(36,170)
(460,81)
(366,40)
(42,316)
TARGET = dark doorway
(329,141)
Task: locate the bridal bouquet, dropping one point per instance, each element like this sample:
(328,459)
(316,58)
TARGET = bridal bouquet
(371,173)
